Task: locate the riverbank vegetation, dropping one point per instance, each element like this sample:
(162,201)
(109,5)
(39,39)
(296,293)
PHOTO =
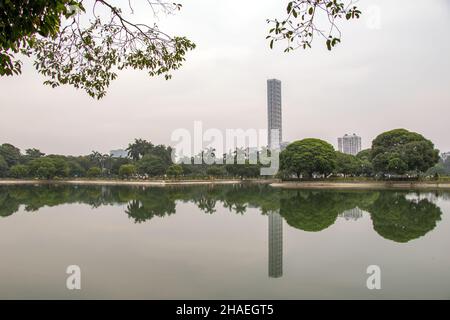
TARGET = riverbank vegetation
(144,161)
(397,154)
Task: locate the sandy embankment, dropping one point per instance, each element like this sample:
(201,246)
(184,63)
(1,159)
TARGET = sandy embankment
(361,185)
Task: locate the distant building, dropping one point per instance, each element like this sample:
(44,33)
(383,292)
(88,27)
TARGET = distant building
(445,156)
(349,144)
(119,153)
(275,131)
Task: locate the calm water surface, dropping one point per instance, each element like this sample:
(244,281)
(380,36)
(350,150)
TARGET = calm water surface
(222,242)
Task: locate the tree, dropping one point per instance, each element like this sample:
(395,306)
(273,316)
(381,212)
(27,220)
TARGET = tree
(127,170)
(94,172)
(10,153)
(97,159)
(216,171)
(245,170)
(3,167)
(399,151)
(308,156)
(303,19)
(365,165)
(43,168)
(19,171)
(61,165)
(22,21)
(75,168)
(49,167)
(442,168)
(347,164)
(31,154)
(84,48)
(151,165)
(117,163)
(174,170)
(364,154)
(139,148)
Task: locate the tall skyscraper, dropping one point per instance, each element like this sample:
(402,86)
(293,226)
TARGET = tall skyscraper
(275,245)
(275,133)
(350,144)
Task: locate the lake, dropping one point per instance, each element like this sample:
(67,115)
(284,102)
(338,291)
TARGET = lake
(222,242)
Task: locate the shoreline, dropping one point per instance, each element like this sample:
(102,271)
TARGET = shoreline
(364,185)
(133,182)
(275,183)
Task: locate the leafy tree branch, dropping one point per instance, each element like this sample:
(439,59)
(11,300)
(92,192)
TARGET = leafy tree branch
(85,50)
(302,23)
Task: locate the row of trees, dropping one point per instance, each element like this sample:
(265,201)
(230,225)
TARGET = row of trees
(155,160)
(397,152)
(144,160)
(394,153)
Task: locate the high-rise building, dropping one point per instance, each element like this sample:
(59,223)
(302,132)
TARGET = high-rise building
(275,245)
(275,132)
(349,144)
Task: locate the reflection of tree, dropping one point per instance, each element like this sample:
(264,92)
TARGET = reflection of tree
(317,210)
(150,202)
(7,205)
(310,211)
(401,220)
(394,216)
(142,211)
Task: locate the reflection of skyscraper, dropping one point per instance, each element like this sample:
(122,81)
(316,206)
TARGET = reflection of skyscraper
(274,113)
(275,245)
(352,214)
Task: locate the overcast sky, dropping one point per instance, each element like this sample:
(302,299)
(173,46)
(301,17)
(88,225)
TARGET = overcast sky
(377,79)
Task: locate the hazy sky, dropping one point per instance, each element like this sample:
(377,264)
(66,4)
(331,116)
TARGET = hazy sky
(377,79)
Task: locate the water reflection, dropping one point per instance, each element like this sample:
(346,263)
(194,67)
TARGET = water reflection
(352,214)
(275,245)
(399,216)
(396,218)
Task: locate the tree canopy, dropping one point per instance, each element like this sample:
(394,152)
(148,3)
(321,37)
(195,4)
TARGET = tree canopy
(399,151)
(308,19)
(347,164)
(308,156)
(86,47)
